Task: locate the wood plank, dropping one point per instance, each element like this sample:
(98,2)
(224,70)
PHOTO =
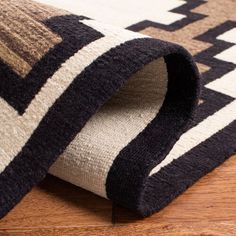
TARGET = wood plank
(59,208)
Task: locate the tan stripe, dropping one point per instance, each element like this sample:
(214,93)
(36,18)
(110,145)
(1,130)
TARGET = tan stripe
(13,60)
(37,10)
(203,68)
(17,45)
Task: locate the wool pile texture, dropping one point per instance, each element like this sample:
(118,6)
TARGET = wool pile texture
(107,96)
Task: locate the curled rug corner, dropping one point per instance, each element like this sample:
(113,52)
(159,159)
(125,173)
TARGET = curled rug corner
(97,106)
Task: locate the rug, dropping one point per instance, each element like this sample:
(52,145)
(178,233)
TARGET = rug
(112,110)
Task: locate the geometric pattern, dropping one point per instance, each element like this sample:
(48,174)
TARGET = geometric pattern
(38,74)
(218,97)
(204,33)
(57,70)
(209,35)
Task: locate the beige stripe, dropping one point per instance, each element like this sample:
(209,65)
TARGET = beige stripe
(89,157)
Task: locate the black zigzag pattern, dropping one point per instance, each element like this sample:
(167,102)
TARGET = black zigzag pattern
(184,9)
(213,100)
(218,67)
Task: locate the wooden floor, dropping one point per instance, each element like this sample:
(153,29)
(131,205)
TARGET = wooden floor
(58,208)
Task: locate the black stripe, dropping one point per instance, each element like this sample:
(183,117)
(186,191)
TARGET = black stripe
(85,95)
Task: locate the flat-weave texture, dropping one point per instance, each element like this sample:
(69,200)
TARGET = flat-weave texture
(104,107)
(207,30)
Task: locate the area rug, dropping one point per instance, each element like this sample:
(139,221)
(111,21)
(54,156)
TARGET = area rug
(116,111)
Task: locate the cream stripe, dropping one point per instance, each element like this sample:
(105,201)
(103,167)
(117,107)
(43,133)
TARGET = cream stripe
(18,129)
(226,84)
(228,55)
(199,134)
(122,13)
(228,36)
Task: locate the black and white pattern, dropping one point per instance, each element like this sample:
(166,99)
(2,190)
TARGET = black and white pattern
(105,107)
(195,154)
(49,107)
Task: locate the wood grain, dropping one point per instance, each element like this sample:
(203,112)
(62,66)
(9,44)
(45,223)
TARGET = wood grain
(59,208)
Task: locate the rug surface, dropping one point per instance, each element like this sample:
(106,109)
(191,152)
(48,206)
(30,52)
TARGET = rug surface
(104,108)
